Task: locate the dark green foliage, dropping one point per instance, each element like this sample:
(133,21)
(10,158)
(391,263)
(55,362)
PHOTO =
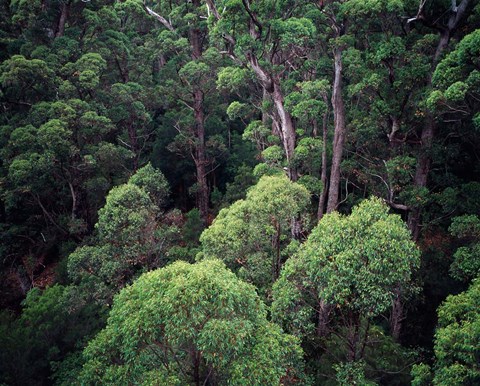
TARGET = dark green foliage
(126,127)
(466,264)
(130,237)
(53,322)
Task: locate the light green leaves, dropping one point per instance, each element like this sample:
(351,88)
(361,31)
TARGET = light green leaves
(352,263)
(185,323)
(252,235)
(457,339)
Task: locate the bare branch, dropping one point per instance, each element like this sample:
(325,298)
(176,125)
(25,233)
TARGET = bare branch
(160,18)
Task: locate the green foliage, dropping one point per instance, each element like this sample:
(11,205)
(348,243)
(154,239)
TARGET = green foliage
(130,237)
(23,78)
(354,263)
(422,375)
(53,322)
(231,78)
(466,264)
(457,79)
(252,235)
(153,182)
(188,323)
(456,340)
(351,373)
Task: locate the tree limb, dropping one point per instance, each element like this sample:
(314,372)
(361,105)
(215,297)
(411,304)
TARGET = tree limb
(160,18)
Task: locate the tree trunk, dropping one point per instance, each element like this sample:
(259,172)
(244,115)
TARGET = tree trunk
(199,133)
(340,132)
(132,137)
(63,19)
(396,316)
(288,129)
(421,173)
(200,156)
(353,337)
(288,135)
(323,177)
(323,318)
(457,13)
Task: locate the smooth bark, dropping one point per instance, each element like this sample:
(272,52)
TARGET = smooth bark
(340,132)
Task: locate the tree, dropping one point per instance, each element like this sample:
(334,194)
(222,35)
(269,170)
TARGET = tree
(52,324)
(446,27)
(130,237)
(456,342)
(346,274)
(252,236)
(273,39)
(190,324)
(190,77)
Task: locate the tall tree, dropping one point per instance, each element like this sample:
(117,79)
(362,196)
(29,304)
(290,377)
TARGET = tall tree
(273,40)
(445,22)
(186,21)
(345,275)
(253,236)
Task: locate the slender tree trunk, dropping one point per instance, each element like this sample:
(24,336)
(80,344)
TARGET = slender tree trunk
(323,177)
(199,133)
(63,19)
(323,318)
(200,156)
(340,132)
(288,129)
(132,136)
(288,135)
(421,173)
(396,316)
(353,337)
(196,368)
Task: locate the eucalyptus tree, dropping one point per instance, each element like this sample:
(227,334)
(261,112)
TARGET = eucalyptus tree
(446,21)
(130,237)
(188,65)
(345,275)
(254,236)
(191,324)
(385,68)
(273,39)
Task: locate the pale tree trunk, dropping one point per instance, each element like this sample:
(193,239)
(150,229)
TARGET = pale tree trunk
(287,128)
(340,132)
